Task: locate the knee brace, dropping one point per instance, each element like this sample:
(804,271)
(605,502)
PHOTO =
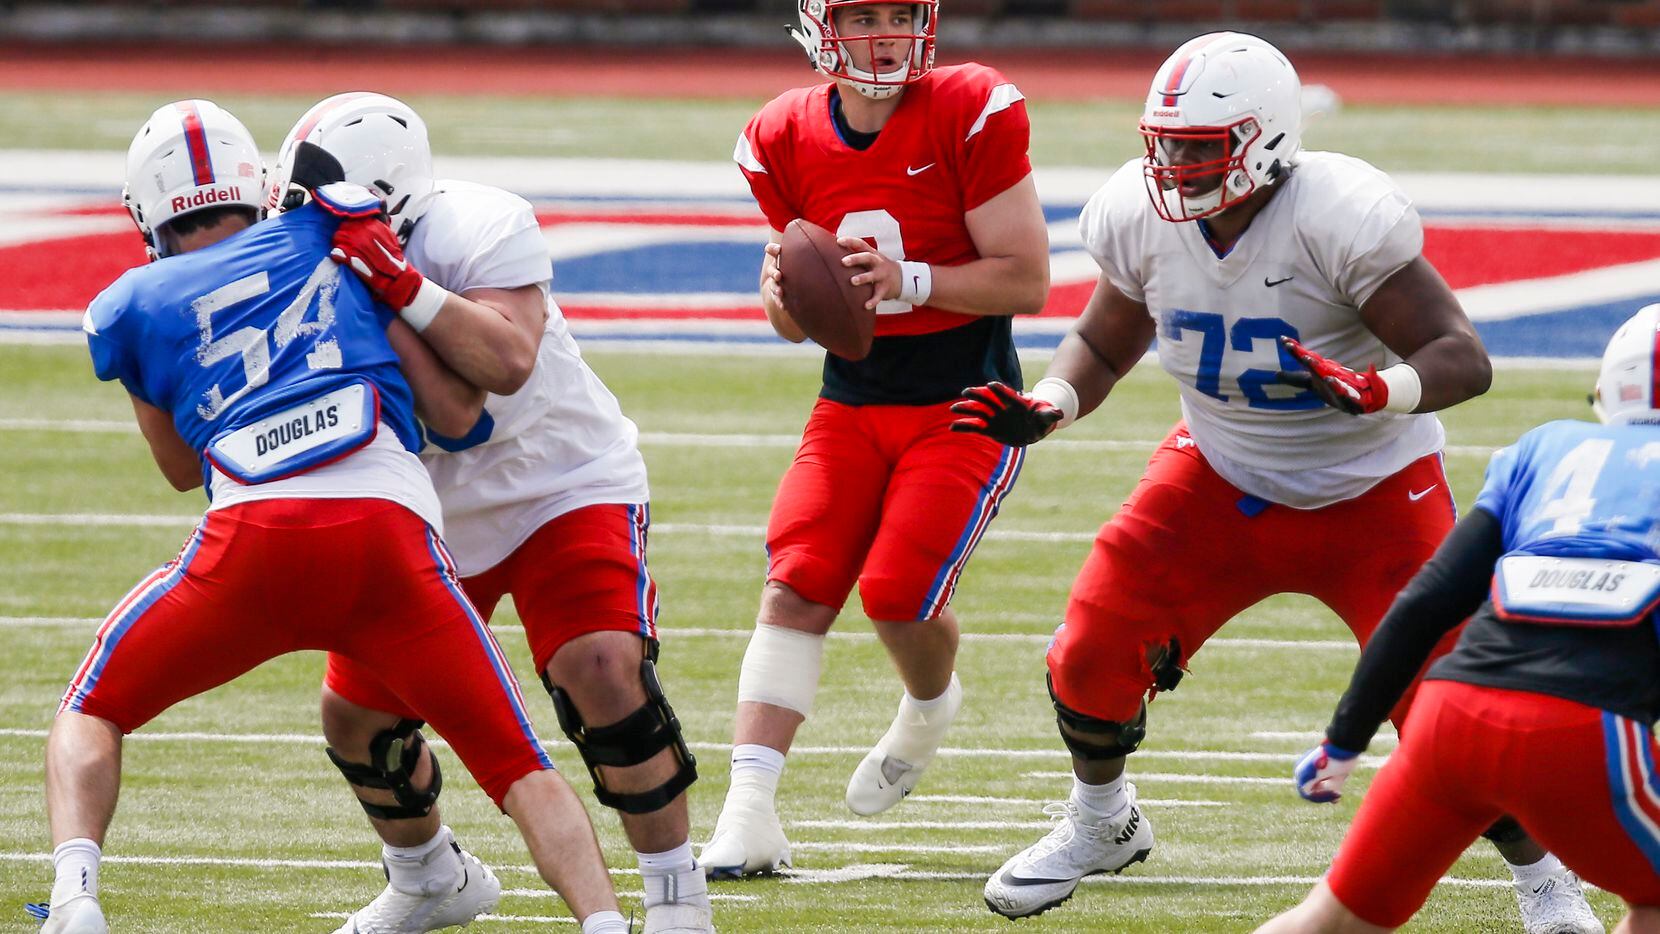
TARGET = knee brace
(781,667)
(1505,830)
(633,740)
(394,755)
(1127,735)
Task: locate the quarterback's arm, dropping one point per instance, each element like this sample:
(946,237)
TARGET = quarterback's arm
(179,462)
(445,402)
(490,336)
(1011,277)
(1445,591)
(1417,316)
(772,293)
(1111,335)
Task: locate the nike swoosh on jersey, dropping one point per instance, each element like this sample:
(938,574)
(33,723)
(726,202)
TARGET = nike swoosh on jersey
(1420,494)
(911,171)
(1273,282)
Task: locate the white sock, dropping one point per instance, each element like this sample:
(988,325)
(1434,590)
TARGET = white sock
(920,725)
(425,868)
(604,922)
(668,861)
(755,771)
(76,863)
(1533,872)
(1097,803)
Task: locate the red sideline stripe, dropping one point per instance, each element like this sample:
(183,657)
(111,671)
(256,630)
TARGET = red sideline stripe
(195,139)
(660,218)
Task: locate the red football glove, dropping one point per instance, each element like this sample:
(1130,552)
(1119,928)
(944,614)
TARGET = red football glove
(369,247)
(1335,384)
(1002,414)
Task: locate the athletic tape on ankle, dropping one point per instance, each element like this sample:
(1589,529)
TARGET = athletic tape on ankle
(781,667)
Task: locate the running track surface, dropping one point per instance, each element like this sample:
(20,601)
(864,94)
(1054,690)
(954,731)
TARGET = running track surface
(633,72)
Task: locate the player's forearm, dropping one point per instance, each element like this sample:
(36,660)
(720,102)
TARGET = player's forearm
(1446,590)
(992,286)
(1089,373)
(1451,369)
(482,345)
(444,401)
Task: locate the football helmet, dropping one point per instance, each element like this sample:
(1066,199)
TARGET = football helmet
(827,49)
(1626,384)
(188,156)
(361,137)
(1236,99)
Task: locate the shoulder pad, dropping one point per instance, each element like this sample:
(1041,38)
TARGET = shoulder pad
(344,199)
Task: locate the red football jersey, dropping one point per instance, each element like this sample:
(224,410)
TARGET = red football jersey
(958,138)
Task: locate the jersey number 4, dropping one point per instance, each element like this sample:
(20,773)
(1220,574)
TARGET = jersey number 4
(1216,338)
(255,345)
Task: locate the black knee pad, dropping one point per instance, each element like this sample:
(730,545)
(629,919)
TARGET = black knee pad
(1127,735)
(1505,830)
(394,755)
(1166,665)
(633,740)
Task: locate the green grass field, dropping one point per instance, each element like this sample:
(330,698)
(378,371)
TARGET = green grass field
(232,819)
(1100,133)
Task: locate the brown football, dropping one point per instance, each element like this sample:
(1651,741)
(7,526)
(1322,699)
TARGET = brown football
(819,293)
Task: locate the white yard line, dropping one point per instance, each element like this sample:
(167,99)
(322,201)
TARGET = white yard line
(1027,638)
(993,799)
(1183,755)
(679,439)
(1175,778)
(481,919)
(851,873)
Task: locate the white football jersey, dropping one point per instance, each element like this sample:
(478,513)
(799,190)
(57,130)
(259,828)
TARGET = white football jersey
(1319,249)
(558,444)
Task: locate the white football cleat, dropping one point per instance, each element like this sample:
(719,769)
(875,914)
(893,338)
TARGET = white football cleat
(472,892)
(1046,873)
(678,903)
(748,841)
(1556,905)
(78,915)
(891,770)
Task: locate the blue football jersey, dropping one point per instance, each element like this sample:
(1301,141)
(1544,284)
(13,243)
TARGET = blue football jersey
(1576,489)
(223,336)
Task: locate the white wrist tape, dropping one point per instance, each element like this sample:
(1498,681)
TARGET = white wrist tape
(916,283)
(1060,394)
(1406,390)
(420,311)
(781,667)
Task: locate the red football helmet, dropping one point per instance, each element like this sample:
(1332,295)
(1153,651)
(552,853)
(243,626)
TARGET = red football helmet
(827,49)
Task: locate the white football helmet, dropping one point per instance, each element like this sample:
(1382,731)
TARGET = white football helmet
(827,49)
(188,156)
(360,137)
(1626,385)
(1235,92)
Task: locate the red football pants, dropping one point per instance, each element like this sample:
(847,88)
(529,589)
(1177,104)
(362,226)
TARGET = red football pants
(363,578)
(889,496)
(1186,554)
(1581,780)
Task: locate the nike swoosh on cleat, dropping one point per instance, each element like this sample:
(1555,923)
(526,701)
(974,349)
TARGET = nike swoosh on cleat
(1011,879)
(466,877)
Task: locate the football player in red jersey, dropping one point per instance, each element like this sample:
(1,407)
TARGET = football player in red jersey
(924,171)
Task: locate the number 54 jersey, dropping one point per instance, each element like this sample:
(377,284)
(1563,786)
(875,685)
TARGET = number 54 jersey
(1336,230)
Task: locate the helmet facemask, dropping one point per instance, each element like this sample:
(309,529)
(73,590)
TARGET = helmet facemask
(831,52)
(1220,183)
(364,138)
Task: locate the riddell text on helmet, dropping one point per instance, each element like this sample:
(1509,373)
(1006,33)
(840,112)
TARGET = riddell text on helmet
(208,196)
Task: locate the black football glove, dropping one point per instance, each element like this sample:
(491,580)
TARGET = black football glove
(1002,414)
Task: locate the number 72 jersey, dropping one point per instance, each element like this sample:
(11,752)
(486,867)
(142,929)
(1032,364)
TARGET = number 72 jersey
(1335,231)
(958,138)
